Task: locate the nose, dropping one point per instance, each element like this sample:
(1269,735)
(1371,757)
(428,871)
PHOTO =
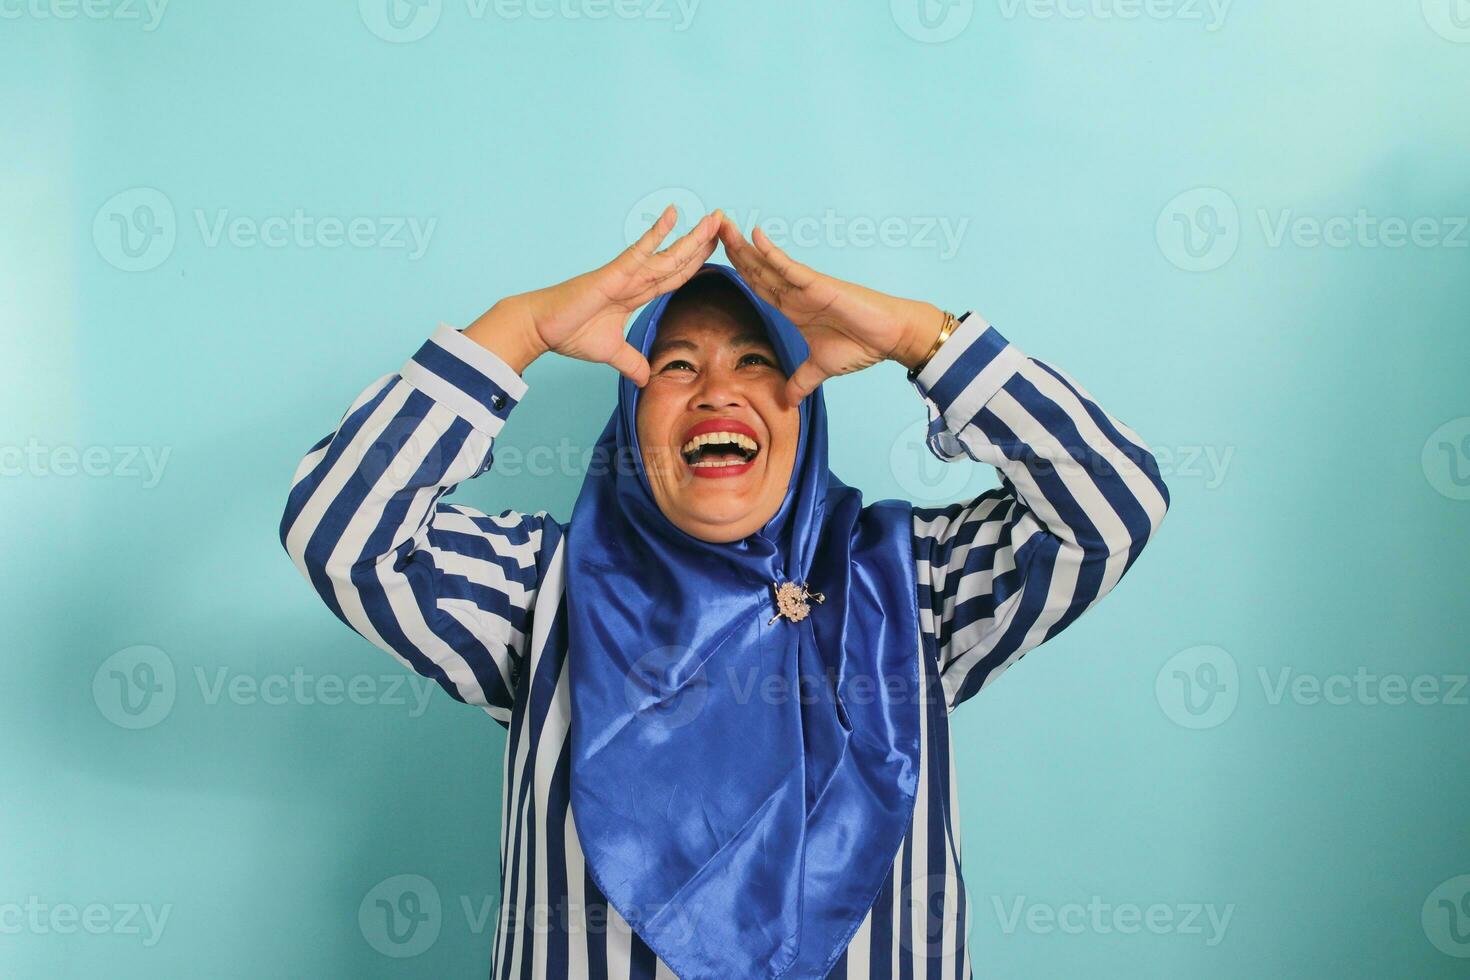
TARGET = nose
(718,388)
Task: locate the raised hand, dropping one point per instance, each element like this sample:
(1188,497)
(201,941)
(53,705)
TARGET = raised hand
(847,327)
(584,317)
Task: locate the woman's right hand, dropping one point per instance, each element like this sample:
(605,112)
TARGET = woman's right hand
(584,316)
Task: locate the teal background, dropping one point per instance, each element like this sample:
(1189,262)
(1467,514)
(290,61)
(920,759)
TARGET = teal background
(1329,383)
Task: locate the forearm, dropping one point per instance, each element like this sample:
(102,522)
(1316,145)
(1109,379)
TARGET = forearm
(1086,477)
(445,588)
(1080,496)
(366,489)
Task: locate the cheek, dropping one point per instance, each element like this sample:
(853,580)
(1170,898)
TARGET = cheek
(785,429)
(786,426)
(654,422)
(649,420)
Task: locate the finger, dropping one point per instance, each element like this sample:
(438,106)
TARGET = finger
(769,284)
(697,237)
(730,233)
(740,251)
(693,264)
(758,254)
(791,270)
(631,364)
(660,266)
(656,232)
(667,280)
(752,266)
(681,275)
(804,381)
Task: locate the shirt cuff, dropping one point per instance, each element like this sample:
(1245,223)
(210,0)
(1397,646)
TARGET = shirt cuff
(466,378)
(967,370)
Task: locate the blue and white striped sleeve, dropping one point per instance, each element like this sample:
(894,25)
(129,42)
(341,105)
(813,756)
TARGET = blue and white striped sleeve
(1080,495)
(445,588)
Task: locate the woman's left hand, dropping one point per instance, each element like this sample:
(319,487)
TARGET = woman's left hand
(847,327)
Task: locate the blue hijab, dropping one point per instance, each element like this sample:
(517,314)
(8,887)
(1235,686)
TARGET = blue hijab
(740,787)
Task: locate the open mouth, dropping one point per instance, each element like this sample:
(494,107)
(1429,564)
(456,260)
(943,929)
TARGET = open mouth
(720,447)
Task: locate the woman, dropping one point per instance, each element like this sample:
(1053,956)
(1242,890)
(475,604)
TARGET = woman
(726,680)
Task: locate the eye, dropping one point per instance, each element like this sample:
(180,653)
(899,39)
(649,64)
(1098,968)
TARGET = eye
(677,366)
(757,359)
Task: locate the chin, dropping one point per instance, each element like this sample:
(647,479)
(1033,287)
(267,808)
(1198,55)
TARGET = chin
(714,535)
(719,524)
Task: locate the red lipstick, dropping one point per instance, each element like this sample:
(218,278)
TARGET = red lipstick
(719,425)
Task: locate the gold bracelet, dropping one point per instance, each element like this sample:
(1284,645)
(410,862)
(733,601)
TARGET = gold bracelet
(950,326)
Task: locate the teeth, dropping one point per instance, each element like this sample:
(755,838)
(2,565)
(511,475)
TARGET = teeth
(744,442)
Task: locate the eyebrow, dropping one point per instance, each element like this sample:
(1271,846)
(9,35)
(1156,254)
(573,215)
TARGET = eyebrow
(749,338)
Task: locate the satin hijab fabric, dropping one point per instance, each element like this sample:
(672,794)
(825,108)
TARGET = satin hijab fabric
(740,787)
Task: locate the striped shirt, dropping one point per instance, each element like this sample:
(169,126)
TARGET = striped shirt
(469,599)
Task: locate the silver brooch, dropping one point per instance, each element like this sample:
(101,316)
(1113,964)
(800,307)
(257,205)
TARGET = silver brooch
(791,601)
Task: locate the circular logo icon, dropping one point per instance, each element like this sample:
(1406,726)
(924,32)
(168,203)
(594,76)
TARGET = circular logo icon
(401,916)
(642,215)
(662,691)
(1198,687)
(930,899)
(400,21)
(926,478)
(135,687)
(1450,19)
(136,229)
(932,21)
(1446,917)
(1446,459)
(1199,230)
(405,447)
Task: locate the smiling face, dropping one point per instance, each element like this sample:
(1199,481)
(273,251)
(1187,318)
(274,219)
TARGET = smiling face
(717,440)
